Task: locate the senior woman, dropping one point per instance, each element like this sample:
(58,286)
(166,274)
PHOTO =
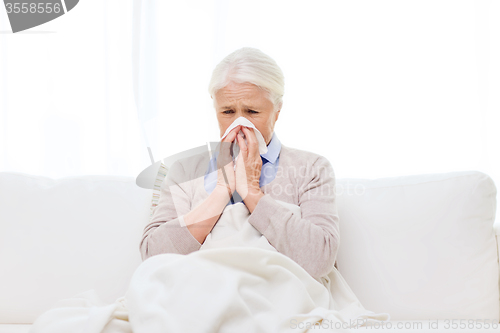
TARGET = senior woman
(248,83)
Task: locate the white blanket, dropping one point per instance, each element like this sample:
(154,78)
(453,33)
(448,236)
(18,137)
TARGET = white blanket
(236,282)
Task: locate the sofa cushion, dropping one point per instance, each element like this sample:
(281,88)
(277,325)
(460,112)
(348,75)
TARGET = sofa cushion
(421,247)
(15,328)
(417,247)
(61,237)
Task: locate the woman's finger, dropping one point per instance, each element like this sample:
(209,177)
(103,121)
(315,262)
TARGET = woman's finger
(225,145)
(243,146)
(251,139)
(240,139)
(232,134)
(224,157)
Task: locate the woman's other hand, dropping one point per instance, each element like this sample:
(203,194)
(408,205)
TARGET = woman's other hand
(226,179)
(248,169)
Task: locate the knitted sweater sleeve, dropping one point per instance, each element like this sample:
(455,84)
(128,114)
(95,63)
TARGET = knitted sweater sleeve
(311,240)
(164,233)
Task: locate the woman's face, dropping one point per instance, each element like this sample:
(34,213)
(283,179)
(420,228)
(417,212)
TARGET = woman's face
(245,100)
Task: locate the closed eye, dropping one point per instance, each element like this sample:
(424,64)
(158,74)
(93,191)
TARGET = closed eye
(230,111)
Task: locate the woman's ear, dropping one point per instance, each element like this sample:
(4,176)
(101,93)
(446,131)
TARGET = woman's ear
(277,115)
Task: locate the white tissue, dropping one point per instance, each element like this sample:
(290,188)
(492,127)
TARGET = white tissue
(247,123)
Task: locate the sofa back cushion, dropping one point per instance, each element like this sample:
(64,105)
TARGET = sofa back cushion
(421,247)
(62,237)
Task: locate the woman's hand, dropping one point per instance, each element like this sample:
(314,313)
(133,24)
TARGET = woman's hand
(248,169)
(226,180)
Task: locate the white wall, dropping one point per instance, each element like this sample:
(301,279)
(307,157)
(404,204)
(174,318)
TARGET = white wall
(381,88)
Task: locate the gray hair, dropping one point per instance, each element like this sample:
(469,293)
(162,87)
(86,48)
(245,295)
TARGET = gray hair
(250,65)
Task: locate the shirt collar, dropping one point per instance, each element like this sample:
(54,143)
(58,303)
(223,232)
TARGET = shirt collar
(273,149)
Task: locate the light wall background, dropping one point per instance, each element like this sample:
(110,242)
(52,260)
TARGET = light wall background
(381,88)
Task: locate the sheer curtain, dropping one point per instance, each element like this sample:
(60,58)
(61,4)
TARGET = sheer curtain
(381,88)
(69,98)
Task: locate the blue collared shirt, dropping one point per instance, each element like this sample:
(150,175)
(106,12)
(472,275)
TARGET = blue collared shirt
(270,162)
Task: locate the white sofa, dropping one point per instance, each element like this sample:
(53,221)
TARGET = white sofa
(422,248)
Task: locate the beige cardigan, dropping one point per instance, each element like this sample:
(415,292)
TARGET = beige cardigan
(303,178)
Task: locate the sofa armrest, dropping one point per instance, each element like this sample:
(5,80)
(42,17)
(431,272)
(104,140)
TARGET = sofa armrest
(496,226)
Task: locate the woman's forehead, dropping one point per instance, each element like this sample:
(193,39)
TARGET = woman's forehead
(240,89)
(246,96)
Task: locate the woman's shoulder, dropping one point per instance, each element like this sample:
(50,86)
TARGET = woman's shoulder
(300,162)
(192,166)
(301,156)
